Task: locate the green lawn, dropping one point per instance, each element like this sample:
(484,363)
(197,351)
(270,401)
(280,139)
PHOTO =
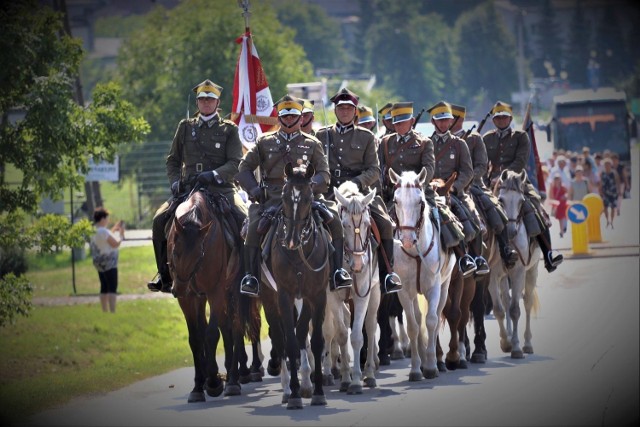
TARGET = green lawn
(63,352)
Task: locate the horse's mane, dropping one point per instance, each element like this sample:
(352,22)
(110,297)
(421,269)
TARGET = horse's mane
(512,182)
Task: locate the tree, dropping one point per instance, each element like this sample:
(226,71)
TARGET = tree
(319,35)
(487,54)
(549,61)
(45,135)
(610,49)
(578,48)
(175,50)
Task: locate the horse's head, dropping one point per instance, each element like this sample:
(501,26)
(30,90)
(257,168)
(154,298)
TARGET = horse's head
(297,196)
(356,222)
(191,225)
(510,189)
(409,204)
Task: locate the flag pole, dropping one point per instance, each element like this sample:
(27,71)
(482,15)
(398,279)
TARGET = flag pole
(244,5)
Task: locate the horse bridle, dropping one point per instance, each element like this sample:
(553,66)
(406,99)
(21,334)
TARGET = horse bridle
(364,245)
(196,267)
(517,221)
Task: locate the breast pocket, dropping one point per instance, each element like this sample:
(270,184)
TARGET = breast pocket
(303,153)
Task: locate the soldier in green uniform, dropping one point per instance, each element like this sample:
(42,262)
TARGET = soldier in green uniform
(482,196)
(452,155)
(509,149)
(272,151)
(365,118)
(206,151)
(353,156)
(404,150)
(385,116)
(307,116)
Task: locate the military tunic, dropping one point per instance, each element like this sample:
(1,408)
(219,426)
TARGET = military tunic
(511,151)
(272,151)
(410,152)
(452,155)
(478,153)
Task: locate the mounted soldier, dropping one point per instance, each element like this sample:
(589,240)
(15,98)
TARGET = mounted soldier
(352,154)
(272,151)
(308,115)
(205,152)
(509,149)
(484,200)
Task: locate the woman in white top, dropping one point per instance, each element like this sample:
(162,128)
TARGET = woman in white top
(104,250)
(580,186)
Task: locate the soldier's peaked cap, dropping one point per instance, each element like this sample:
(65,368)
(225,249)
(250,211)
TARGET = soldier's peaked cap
(502,109)
(458,111)
(207,89)
(345,96)
(442,110)
(365,114)
(289,105)
(385,111)
(307,105)
(401,111)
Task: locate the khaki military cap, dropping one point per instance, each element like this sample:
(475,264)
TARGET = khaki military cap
(442,110)
(345,96)
(289,105)
(502,109)
(401,111)
(207,89)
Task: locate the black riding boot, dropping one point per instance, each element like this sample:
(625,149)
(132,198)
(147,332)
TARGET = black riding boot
(508,254)
(162,282)
(250,284)
(465,262)
(390,281)
(475,249)
(340,278)
(551,258)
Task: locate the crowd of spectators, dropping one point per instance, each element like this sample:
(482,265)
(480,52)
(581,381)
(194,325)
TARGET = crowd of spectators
(569,176)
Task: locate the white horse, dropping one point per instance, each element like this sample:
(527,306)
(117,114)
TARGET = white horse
(423,265)
(523,276)
(362,263)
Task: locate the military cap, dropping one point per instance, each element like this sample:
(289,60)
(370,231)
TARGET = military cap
(307,105)
(401,111)
(502,109)
(365,114)
(207,89)
(442,110)
(345,96)
(289,105)
(385,111)
(458,111)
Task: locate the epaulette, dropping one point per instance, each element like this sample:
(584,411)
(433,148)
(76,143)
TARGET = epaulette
(229,122)
(325,128)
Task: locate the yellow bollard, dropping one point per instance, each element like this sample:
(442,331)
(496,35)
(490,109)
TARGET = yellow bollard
(579,215)
(595,206)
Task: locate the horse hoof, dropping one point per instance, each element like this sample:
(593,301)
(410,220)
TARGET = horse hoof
(306,392)
(441,367)
(344,386)
(294,403)
(245,379)
(414,376)
(528,349)
(505,347)
(336,373)
(450,365)
(430,373)
(397,355)
(478,358)
(196,396)
(255,377)
(370,382)
(232,390)
(214,391)
(318,400)
(285,398)
(517,354)
(385,360)
(354,389)
(273,368)
(462,364)
(328,380)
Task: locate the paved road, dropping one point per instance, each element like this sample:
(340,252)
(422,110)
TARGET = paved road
(584,371)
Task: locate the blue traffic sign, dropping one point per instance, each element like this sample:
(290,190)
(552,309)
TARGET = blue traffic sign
(577,213)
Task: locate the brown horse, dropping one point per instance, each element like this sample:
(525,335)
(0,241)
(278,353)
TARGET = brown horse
(300,269)
(205,269)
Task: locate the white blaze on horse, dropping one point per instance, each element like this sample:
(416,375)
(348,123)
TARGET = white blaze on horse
(522,278)
(361,261)
(424,267)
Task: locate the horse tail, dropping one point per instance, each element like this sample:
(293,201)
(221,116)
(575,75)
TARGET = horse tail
(535,307)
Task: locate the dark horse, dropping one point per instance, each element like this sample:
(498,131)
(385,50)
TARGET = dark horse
(299,265)
(205,269)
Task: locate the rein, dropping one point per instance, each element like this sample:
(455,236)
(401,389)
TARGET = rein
(366,248)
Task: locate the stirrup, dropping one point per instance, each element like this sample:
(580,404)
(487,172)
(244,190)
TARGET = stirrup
(471,270)
(250,285)
(481,271)
(347,282)
(392,283)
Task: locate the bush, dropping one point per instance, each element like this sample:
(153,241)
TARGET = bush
(15,298)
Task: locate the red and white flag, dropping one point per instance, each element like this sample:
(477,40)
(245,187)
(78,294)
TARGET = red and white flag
(252,108)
